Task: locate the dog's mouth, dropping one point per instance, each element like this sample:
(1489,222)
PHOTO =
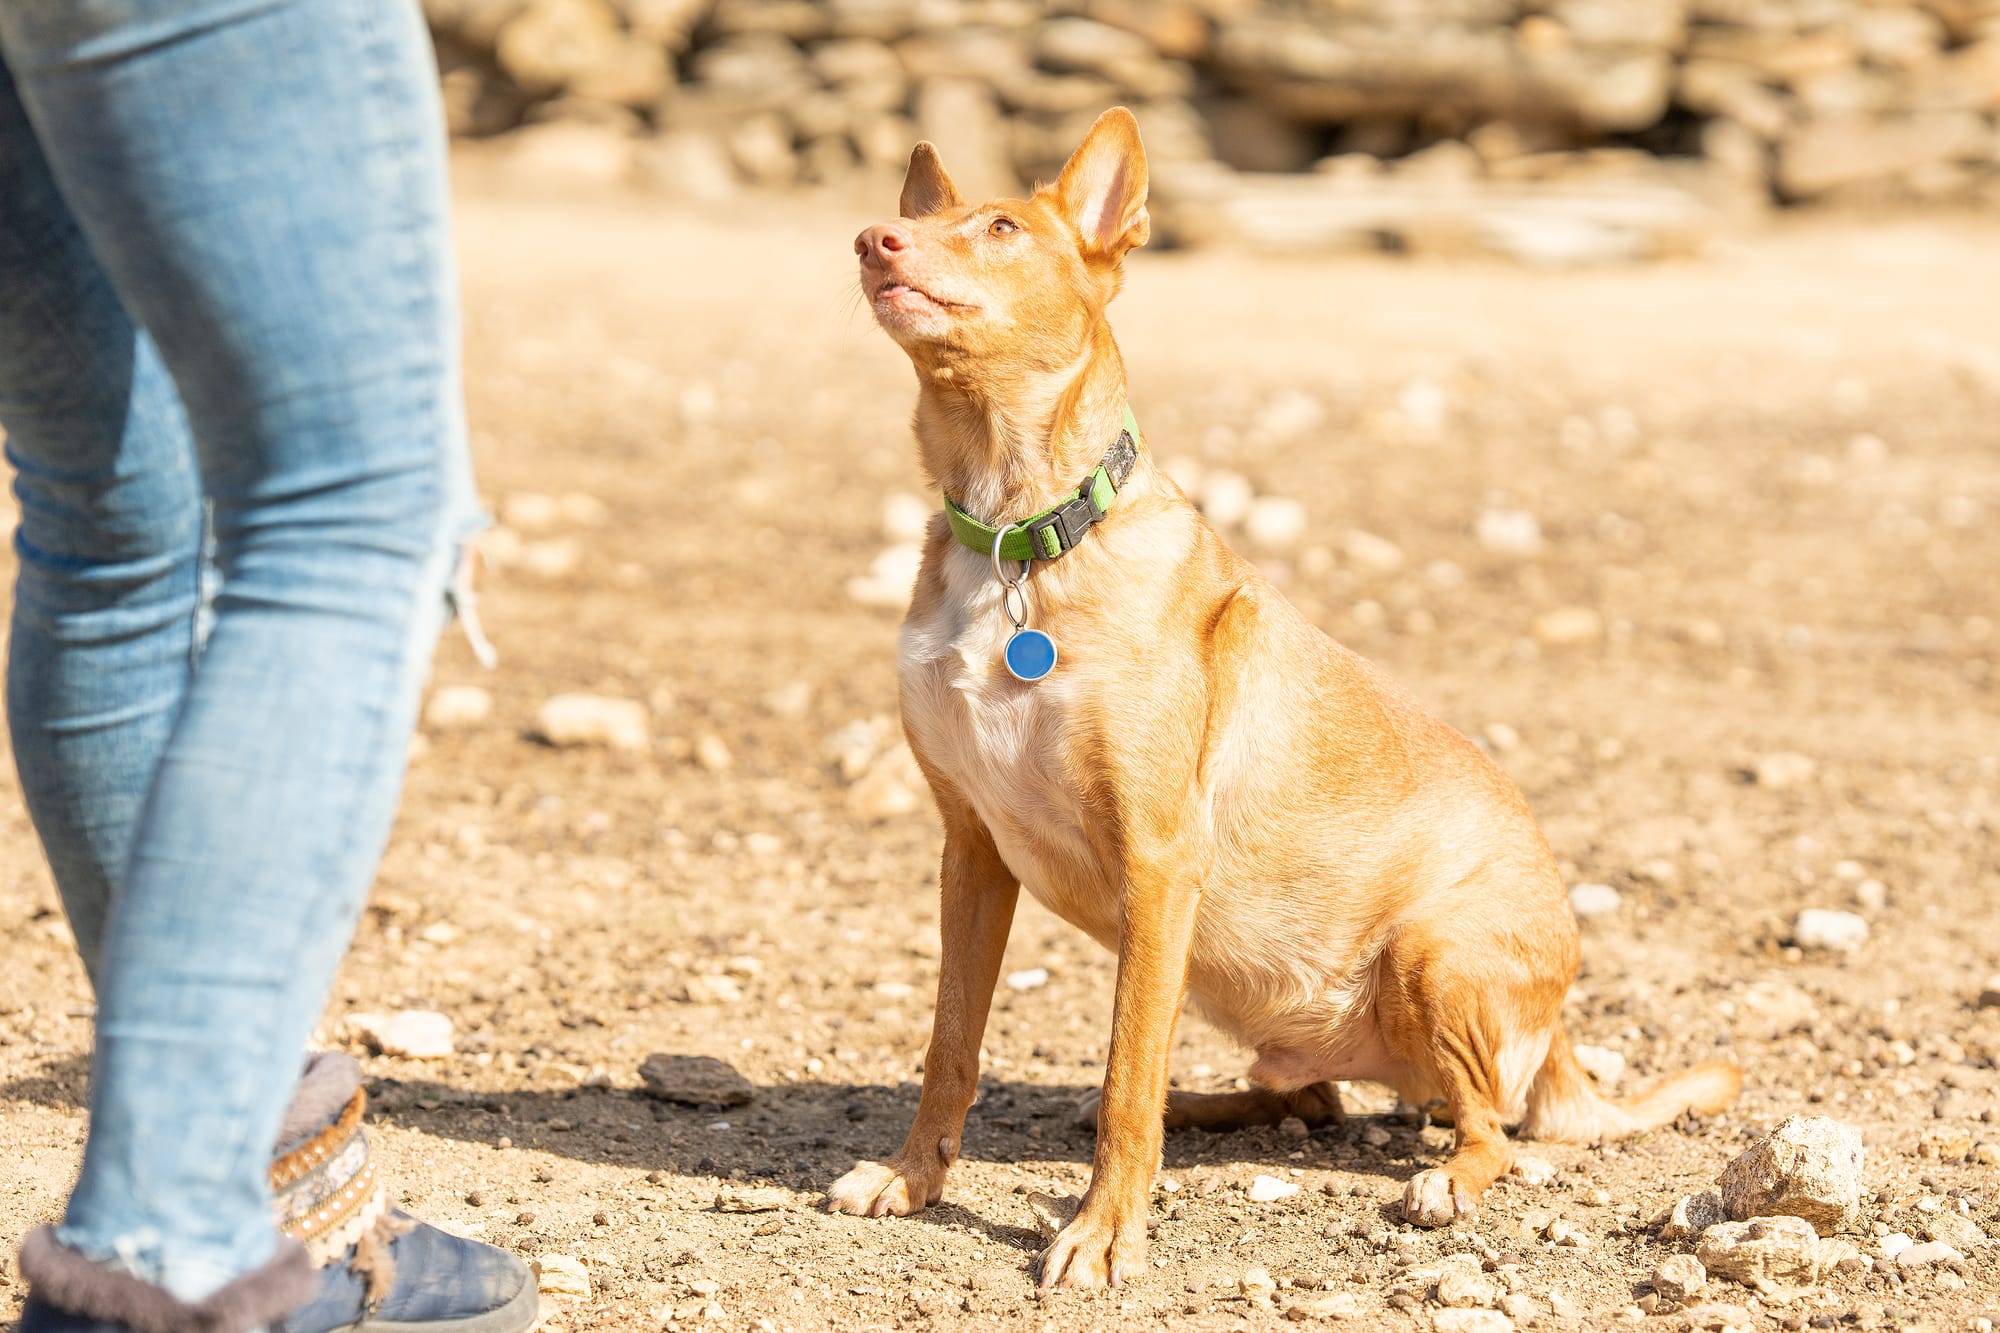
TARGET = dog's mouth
(898,295)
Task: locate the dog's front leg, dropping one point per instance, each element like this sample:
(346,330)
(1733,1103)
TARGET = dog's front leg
(1107,1240)
(978,893)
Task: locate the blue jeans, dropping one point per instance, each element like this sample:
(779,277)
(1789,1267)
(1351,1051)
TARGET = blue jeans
(228,329)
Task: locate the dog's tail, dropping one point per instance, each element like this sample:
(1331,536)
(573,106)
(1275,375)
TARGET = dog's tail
(1565,1104)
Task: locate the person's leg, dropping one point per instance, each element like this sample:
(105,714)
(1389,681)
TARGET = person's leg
(263,184)
(108,545)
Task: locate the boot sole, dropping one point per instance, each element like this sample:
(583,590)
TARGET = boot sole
(516,1316)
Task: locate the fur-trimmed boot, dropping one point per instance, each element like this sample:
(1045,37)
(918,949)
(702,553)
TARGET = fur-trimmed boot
(347,1263)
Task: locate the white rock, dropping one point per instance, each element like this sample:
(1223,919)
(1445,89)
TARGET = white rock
(1892,1245)
(1509,532)
(1562,1231)
(1601,1063)
(1808,1167)
(455,707)
(1569,625)
(594,719)
(1770,1254)
(1692,1214)
(906,517)
(1028,978)
(1424,407)
(1467,1290)
(416,1034)
(711,990)
(1503,738)
(1471,1321)
(1375,1136)
(1931,1252)
(1275,523)
(1332,1305)
(1532,1170)
(751,1199)
(1783,768)
(560,1275)
(1256,1284)
(712,752)
(1367,551)
(1871,895)
(548,557)
(1224,497)
(1052,1212)
(1824,928)
(890,577)
(1593,900)
(1270,1189)
(1678,1277)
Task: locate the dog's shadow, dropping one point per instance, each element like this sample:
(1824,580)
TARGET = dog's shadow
(805,1135)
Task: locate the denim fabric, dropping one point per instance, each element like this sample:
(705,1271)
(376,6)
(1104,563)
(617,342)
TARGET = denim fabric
(225,280)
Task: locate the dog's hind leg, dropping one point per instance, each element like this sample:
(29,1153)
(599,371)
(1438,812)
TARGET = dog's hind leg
(1473,1023)
(1317,1104)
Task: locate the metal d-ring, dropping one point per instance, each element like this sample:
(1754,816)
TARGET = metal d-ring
(1012,591)
(1000,574)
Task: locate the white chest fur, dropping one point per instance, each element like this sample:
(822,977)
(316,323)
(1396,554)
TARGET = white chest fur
(1002,743)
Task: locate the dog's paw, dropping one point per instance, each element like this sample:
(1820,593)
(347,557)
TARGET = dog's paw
(1433,1199)
(877,1189)
(1104,1246)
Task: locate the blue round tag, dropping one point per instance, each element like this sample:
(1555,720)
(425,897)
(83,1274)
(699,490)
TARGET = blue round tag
(1030,654)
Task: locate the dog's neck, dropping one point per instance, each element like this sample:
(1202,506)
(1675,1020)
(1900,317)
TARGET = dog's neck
(1004,452)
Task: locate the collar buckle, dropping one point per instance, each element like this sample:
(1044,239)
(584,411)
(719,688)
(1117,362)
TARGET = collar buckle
(1065,524)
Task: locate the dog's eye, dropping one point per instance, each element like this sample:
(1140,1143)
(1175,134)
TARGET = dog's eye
(1003,227)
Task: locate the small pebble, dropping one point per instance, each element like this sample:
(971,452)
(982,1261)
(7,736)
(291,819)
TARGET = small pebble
(1032,978)
(1678,1277)
(1785,768)
(1569,625)
(1593,900)
(560,1275)
(1269,1189)
(455,707)
(1822,928)
(416,1034)
(1509,532)
(593,719)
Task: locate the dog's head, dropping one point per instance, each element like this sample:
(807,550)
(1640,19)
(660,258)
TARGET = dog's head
(1012,284)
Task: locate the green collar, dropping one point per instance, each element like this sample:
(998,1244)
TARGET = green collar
(1061,526)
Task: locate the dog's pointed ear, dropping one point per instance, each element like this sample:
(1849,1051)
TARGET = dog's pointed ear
(1102,189)
(926,188)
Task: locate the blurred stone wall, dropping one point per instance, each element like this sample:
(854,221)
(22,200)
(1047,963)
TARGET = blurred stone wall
(1785,101)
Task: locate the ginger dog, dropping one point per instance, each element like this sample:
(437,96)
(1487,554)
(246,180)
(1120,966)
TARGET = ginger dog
(1238,807)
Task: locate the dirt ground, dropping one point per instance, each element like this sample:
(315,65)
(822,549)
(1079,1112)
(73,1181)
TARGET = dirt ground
(1773,473)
